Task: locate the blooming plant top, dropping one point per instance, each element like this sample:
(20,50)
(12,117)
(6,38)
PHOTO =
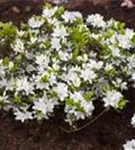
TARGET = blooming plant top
(59,60)
(130,145)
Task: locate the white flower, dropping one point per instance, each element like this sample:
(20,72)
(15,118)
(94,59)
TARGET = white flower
(99,65)
(71,16)
(112,40)
(44,105)
(115,51)
(2,71)
(133,120)
(4,98)
(112,98)
(29,55)
(3,82)
(62,90)
(30,68)
(111,23)
(10,84)
(35,22)
(10,65)
(130,145)
(72,78)
(93,64)
(73,115)
(77,96)
(88,107)
(133,76)
(119,84)
(108,67)
(18,46)
(48,13)
(123,86)
(1,61)
(131,61)
(55,66)
(39,85)
(55,44)
(83,58)
(76,69)
(42,61)
(20,33)
(24,85)
(129,33)
(72,111)
(75,79)
(95,36)
(33,40)
(22,115)
(124,41)
(53,21)
(64,55)
(90,65)
(88,75)
(60,32)
(53,79)
(40,106)
(96,20)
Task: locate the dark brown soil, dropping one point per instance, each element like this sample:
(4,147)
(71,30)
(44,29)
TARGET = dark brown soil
(109,132)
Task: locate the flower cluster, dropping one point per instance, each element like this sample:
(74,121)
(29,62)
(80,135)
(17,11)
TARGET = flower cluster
(130,145)
(61,60)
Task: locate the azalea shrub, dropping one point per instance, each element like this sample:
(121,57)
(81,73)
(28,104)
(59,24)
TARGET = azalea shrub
(62,60)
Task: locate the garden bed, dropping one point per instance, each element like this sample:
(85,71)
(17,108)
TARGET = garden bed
(109,132)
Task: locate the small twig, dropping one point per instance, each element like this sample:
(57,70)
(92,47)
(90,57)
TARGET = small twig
(86,125)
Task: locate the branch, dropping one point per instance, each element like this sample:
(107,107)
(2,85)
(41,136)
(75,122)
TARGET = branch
(86,125)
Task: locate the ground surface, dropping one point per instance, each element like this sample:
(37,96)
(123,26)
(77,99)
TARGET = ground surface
(107,133)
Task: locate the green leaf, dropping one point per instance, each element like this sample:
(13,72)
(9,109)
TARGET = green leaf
(48,5)
(7,30)
(60,11)
(107,87)
(80,37)
(89,95)
(18,99)
(53,95)
(45,78)
(47,44)
(122,104)
(69,101)
(133,39)
(6,61)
